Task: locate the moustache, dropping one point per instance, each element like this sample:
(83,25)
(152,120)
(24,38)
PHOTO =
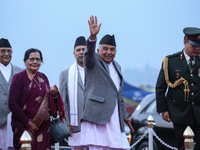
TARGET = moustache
(80,56)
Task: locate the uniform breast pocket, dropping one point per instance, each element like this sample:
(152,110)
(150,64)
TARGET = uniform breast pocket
(178,73)
(96,98)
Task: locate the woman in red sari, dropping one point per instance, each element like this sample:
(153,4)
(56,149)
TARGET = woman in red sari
(31,101)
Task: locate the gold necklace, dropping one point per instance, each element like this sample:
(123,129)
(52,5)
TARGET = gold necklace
(39,84)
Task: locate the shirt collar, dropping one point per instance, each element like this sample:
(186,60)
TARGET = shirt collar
(2,67)
(80,68)
(110,64)
(187,57)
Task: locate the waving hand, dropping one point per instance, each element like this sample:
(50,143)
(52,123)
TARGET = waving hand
(94,27)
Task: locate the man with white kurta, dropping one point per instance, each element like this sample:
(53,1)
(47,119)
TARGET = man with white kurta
(7,70)
(104,111)
(71,87)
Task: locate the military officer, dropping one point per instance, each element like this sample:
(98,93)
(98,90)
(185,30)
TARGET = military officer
(180,78)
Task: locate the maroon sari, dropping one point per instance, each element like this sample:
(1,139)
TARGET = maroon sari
(38,110)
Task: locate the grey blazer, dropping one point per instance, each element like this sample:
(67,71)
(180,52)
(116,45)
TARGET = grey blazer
(4,93)
(63,89)
(101,93)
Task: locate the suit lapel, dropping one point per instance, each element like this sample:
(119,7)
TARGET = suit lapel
(185,65)
(80,82)
(14,70)
(1,81)
(104,64)
(106,67)
(184,61)
(117,67)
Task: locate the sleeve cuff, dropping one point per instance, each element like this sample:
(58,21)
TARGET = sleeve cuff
(92,40)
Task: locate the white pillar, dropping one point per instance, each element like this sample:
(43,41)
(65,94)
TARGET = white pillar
(57,146)
(150,128)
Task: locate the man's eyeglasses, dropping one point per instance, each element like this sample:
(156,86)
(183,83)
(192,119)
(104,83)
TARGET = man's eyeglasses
(112,49)
(3,51)
(33,59)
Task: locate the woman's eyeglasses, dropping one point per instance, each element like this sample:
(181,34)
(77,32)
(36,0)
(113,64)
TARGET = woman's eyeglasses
(33,59)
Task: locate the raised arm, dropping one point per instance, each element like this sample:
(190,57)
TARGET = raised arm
(89,55)
(94,27)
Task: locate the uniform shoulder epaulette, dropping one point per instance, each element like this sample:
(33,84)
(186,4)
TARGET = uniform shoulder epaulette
(174,55)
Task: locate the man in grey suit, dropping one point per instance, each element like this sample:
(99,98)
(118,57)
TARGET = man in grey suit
(104,109)
(7,70)
(71,87)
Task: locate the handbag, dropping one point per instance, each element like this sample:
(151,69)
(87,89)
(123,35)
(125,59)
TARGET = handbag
(58,130)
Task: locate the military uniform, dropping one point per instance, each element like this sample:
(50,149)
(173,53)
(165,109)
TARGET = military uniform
(182,99)
(182,109)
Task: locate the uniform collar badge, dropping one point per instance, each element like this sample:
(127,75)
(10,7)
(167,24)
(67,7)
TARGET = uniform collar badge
(181,56)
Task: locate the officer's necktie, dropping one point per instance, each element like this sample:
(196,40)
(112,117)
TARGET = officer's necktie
(190,65)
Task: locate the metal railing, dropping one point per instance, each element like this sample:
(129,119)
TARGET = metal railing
(188,135)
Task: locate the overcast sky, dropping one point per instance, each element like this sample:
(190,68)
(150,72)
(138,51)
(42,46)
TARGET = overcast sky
(145,30)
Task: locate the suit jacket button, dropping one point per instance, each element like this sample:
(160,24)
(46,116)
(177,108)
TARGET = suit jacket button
(4,93)
(192,93)
(192,103)
(191,75)
(174,100)
(192,84)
